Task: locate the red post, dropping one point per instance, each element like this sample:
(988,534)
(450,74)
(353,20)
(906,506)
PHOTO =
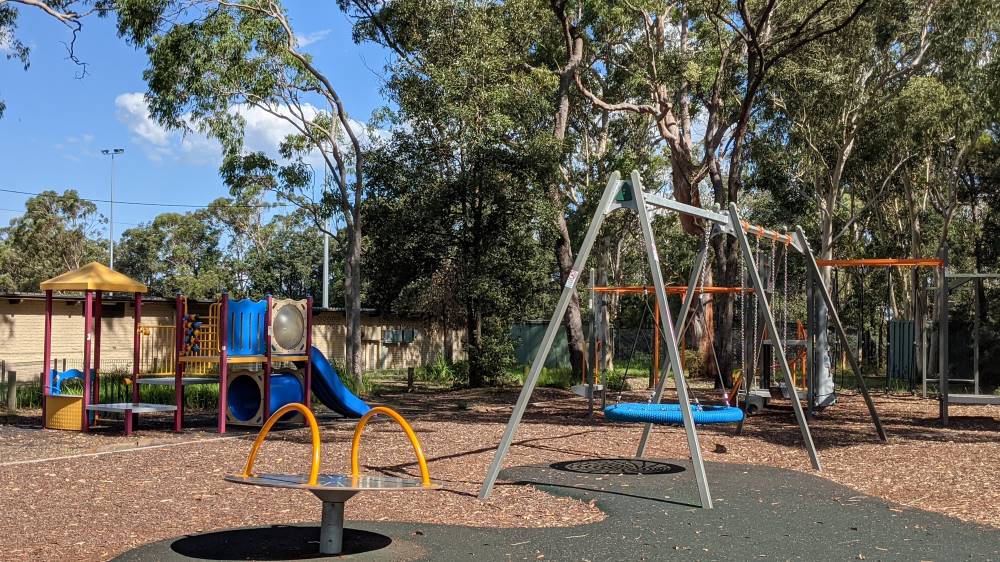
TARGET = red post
(180,307)
(309,343)
(88,327)
(223,335)
(98,308)
(136,350)
(47,352)
(267,359)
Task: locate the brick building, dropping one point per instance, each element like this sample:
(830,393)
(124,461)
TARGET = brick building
(388,342)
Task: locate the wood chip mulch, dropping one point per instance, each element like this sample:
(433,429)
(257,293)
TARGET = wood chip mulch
(94,507)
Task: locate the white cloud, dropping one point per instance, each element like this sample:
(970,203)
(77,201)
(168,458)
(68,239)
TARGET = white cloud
(264,131)
(306,39)
(134,113)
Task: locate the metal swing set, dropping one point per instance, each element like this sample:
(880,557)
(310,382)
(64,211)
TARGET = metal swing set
(628,194)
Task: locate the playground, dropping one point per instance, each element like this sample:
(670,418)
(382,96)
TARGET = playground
(142,480)
(873,497)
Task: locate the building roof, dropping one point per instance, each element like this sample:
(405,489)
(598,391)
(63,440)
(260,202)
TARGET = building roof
(93,277)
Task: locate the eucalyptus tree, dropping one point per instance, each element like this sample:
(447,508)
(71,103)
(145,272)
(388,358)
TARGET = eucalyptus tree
(539,47)
(176,253)
(212,62)
(56,233)
(456,189)
(69,13)
(697,69)
(832,97)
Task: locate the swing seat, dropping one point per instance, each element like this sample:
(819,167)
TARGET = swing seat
(670,414)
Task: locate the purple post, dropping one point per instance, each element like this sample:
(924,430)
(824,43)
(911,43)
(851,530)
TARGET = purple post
(98,308)
(180,308)
(88,326)
(47,352)
(309,343)
(223,335)
(267,359)
(136,350)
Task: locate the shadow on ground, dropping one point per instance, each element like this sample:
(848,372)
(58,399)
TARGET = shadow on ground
(278,542)
(652,513)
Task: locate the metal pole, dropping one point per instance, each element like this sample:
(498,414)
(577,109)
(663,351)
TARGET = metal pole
(111,219)
(331,530)
(810,349)
(772,329)
(326,270)
(112,152)
(326,252)
(834,317)
(943,366)
(673,351)
(975,336)
(569,289)
(597,333)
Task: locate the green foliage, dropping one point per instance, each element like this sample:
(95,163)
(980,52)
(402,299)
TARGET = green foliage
(443,372)
(175,253)
(68,13)
(56,233)
(549,377)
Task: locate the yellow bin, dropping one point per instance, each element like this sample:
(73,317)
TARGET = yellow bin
(64,412)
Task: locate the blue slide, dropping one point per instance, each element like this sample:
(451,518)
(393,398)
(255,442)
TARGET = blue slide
(328,388)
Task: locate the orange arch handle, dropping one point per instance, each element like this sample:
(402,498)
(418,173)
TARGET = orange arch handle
(314,468)
(425,476)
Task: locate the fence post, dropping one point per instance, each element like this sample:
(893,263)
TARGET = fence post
(11,391)
(409,379)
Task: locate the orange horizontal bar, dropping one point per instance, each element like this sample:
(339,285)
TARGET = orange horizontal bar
(671,290)
(765,233)
(883,262)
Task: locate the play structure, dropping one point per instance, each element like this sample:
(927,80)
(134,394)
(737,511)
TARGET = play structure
(910,342)
(951,282)
(334,489)
(260,353)
(60,409)
(628,195)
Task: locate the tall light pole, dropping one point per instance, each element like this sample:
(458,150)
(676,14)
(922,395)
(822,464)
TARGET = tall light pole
(112,152)
(326,253)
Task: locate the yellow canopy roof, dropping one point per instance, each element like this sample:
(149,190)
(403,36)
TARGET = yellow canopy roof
(93,277)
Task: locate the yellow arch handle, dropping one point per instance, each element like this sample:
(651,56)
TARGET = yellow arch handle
(356,442)
(314,468)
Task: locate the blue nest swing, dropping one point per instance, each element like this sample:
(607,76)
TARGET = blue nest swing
(670,414)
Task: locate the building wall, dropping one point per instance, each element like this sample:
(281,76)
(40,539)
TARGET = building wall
(22,331)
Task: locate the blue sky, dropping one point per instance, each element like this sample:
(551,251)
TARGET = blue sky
(55,124)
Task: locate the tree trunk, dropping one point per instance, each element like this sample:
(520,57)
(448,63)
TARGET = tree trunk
(575,341)
(352,305)
(722,306)
(825,388)
(473,331)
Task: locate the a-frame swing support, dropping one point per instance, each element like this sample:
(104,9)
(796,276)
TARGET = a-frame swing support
(619,194)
